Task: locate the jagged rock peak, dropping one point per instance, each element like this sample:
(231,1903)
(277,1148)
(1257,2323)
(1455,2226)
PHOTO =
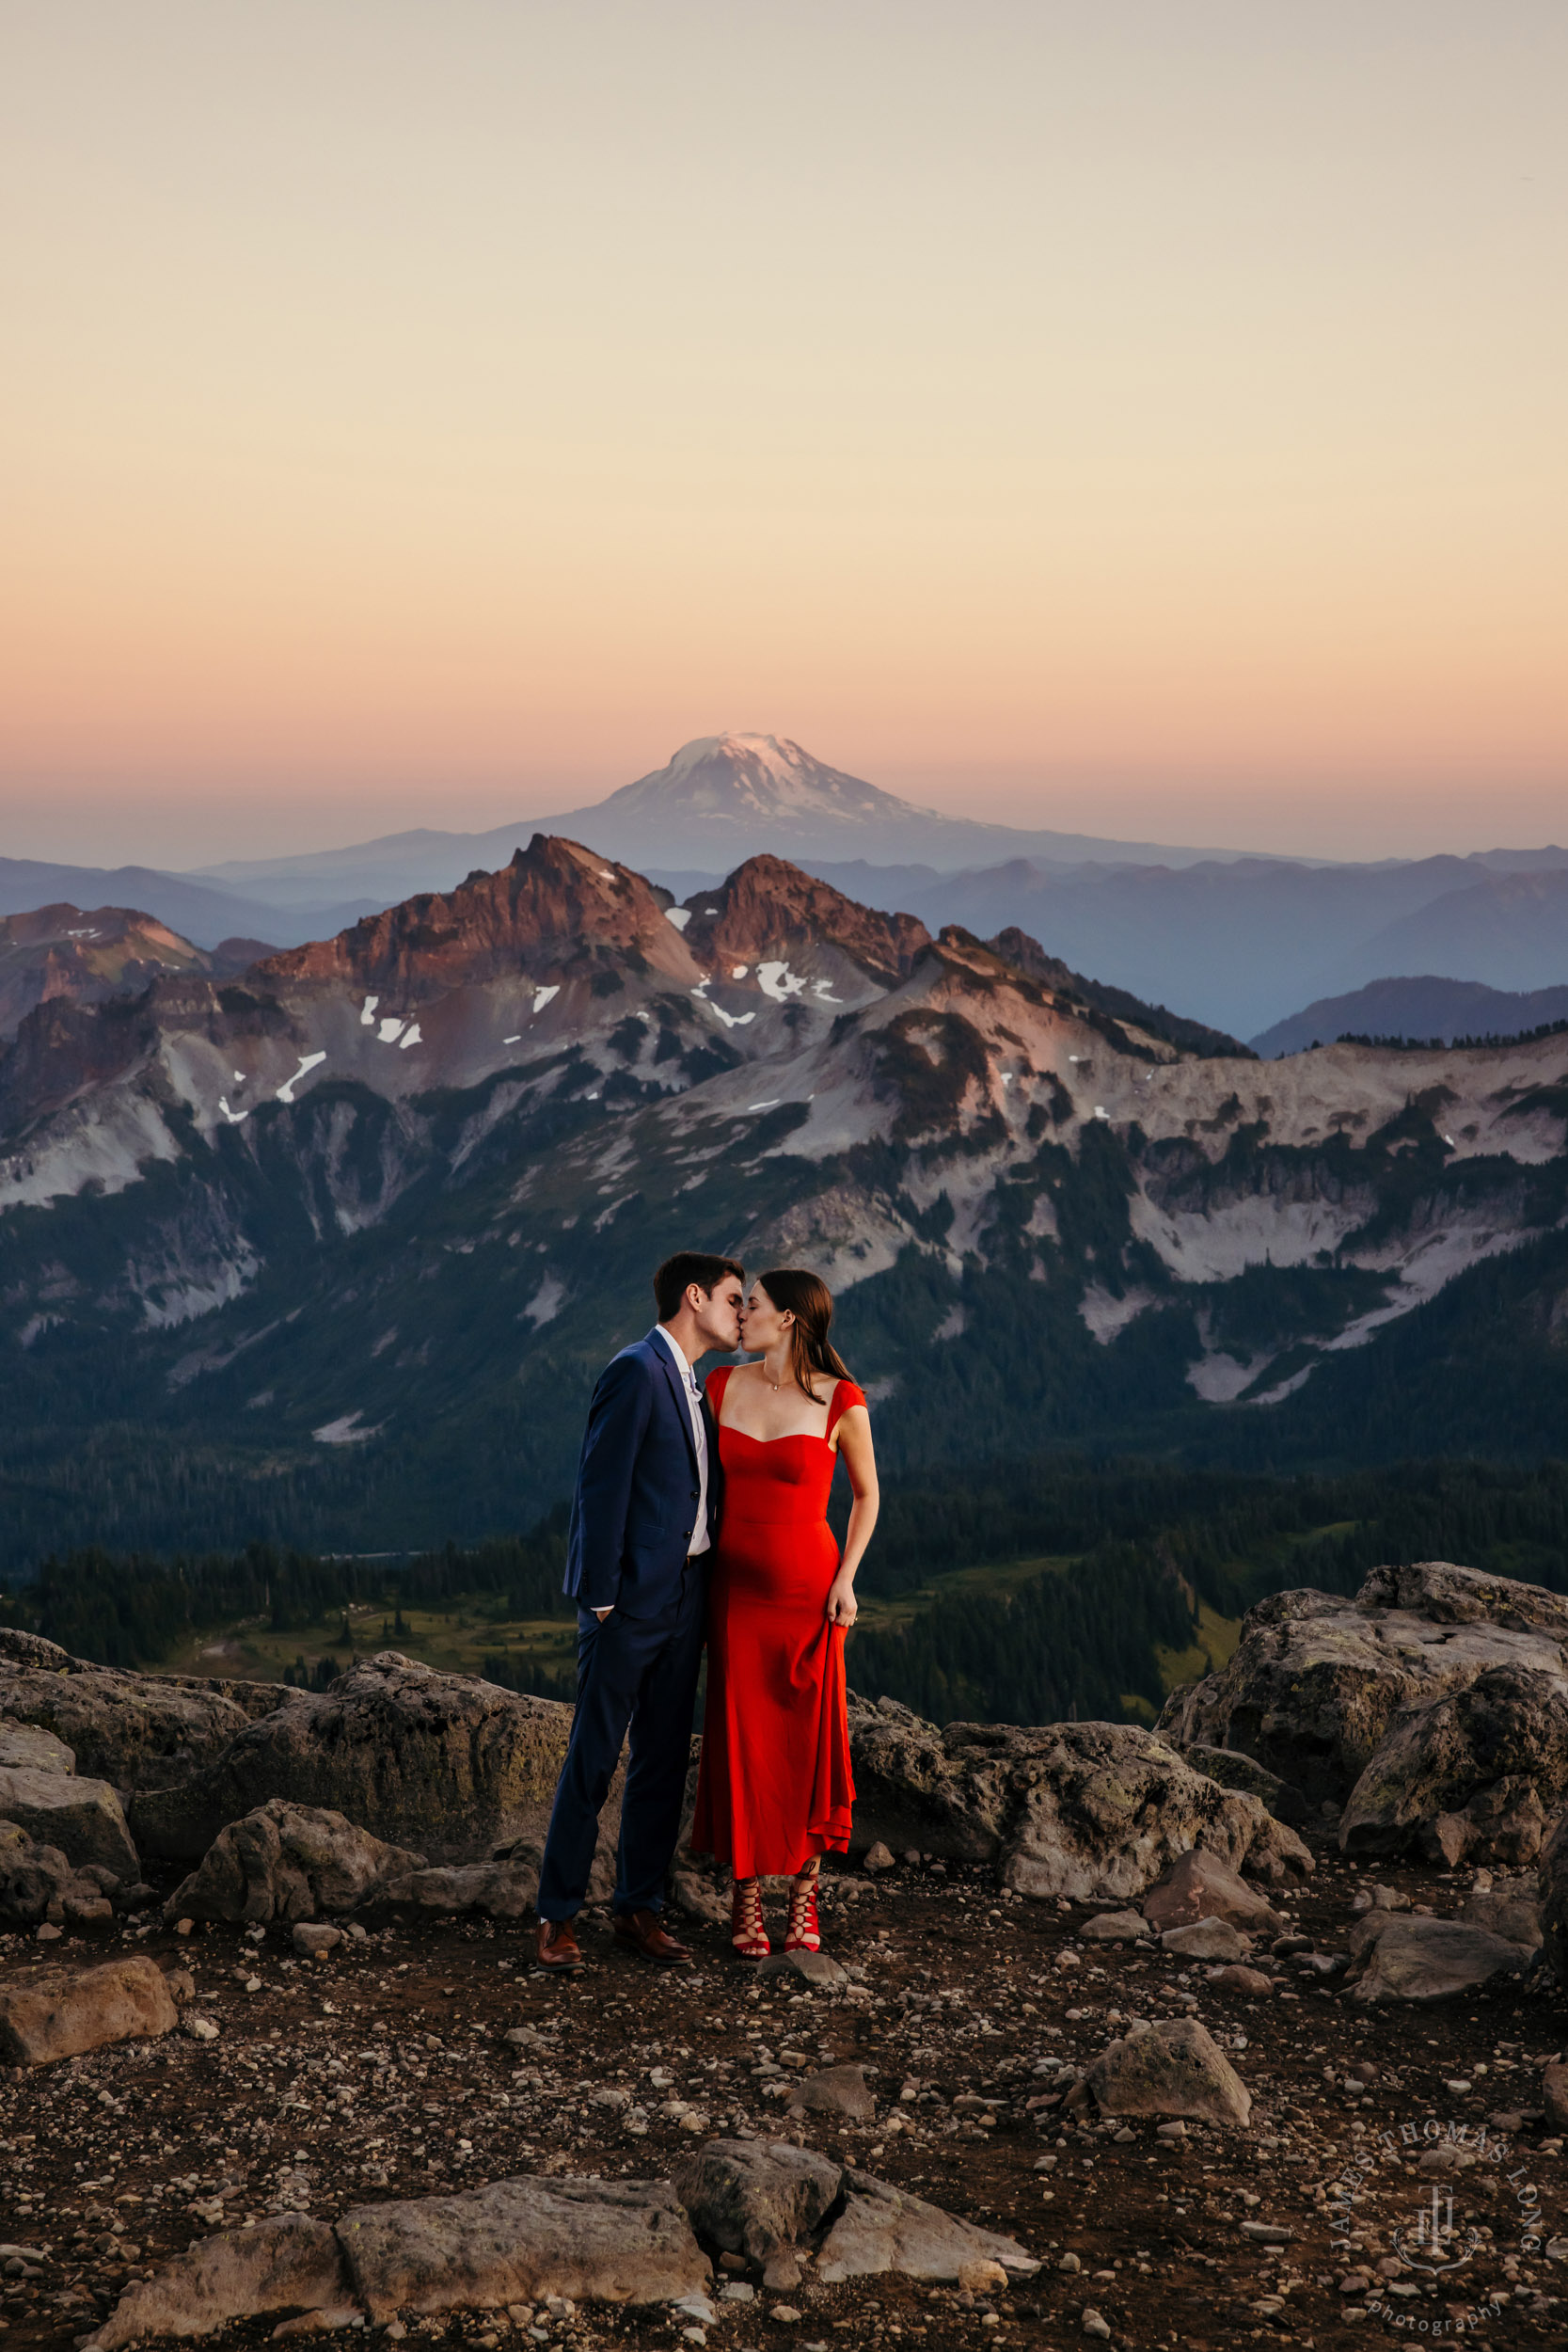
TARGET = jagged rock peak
(767,906)
(554,899)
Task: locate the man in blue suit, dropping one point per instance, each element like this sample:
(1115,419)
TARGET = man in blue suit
(644,1518)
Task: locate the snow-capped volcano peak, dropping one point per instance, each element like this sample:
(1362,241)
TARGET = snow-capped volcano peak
(745,780)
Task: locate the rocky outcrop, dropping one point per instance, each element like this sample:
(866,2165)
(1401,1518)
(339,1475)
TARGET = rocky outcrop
(445,1764)
(520,2241)
(1315,1681)
(1081,1810)
(57,2012)
(136,1731)
(288,1862)
(1477,1776)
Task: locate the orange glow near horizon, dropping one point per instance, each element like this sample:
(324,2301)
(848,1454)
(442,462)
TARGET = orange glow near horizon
(1128,419)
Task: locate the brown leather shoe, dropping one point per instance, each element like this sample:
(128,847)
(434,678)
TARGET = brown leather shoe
(559,1949)
(641,1932)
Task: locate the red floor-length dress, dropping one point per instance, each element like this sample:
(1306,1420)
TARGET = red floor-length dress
(775,1786)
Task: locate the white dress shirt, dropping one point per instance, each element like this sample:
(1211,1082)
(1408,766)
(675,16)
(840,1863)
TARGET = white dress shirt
(700,1538)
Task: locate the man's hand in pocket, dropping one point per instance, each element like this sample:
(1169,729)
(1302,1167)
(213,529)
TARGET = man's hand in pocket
(603,1613)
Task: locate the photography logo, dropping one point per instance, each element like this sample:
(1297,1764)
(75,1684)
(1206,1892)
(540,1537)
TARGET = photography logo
(1434,2243)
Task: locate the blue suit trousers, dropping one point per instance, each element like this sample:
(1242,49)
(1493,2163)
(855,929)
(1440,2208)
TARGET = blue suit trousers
(635,1675)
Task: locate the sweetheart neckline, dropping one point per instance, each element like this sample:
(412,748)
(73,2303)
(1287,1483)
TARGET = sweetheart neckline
(728,1427)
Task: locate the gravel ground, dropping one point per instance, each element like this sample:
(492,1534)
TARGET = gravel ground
(386,2070)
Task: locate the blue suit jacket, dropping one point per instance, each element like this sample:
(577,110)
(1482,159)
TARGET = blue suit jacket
(635,1508)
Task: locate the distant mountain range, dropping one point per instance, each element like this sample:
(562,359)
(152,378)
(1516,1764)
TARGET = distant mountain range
(719,800)
(204,913)
(1424,1009)
(1236,943)
(1243,944)
(332,1251)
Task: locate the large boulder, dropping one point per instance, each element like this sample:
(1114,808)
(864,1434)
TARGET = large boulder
(1081,1810)
(1315,1681)
(451,1766)
(1396,1956)
(288,1862)
(58,2012)
(83,1818)
(136,1731)
(1477,1775)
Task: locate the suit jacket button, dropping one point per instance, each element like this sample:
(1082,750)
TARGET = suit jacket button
(685,1531)
(694,1494)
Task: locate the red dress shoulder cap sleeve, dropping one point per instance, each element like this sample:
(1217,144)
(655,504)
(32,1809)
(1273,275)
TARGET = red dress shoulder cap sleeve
(715,1385)
(844,1395)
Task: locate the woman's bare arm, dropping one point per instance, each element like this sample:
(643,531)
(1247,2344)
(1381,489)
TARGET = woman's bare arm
(860,1460)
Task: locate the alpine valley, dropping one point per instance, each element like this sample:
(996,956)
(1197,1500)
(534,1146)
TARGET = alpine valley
(329,1252)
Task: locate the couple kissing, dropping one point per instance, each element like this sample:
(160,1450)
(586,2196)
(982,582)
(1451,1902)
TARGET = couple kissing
(700,1515)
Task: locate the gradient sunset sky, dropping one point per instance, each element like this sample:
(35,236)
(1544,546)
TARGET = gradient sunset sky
(1142,419)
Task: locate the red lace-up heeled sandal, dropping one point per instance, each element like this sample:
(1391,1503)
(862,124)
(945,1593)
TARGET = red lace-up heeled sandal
(746,1932)
(804,1935)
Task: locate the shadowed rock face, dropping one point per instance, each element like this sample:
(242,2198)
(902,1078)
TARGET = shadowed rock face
(1082,1810)
(1316,1682)
(136,1731)
(1476,1777)
(445,1764)
(1554,1900)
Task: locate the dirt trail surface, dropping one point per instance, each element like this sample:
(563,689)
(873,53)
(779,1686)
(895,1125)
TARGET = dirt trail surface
(430,2058)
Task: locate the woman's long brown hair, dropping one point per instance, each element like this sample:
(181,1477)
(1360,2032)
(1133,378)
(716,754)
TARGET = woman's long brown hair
(807,1297)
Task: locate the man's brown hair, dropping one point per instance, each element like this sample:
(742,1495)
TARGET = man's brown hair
(676,1276)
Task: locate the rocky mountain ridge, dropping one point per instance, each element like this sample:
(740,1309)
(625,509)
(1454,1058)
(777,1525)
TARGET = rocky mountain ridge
(381,1191)
(87,954)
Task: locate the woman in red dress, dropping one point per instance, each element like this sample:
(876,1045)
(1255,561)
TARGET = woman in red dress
(775,1788)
